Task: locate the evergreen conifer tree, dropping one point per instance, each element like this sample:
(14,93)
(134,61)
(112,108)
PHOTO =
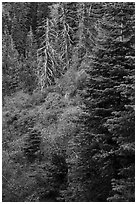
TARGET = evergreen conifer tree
(112,101)
(28,74)
(10,64)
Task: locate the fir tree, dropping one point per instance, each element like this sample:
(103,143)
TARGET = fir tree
(10,64)
(32,147)
(28,74)
(109,98)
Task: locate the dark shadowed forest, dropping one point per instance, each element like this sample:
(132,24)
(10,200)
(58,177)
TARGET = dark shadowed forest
(68,95)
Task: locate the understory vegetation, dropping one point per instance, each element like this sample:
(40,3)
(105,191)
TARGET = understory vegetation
(68,102)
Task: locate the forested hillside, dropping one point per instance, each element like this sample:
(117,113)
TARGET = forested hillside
(68,95)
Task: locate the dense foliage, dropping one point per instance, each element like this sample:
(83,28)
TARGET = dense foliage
(68,115)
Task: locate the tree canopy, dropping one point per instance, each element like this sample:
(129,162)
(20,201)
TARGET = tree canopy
(68,111)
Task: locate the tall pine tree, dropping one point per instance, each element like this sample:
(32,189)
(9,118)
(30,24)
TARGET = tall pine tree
(111,103)
(10,64)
